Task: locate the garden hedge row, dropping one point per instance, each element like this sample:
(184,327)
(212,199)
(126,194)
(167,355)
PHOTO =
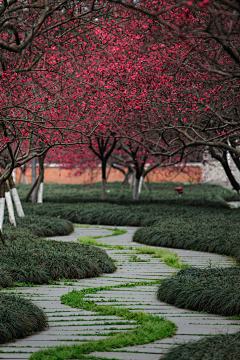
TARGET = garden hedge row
(202,195)
(213,290)
(134,214)
(218,347)
(19,318)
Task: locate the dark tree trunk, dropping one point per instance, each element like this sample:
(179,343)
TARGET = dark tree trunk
(31,190)
(2,204)
(39,189)
(148,185)
(223,160)
(103,193)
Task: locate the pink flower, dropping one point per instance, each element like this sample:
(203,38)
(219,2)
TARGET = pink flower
(204,3)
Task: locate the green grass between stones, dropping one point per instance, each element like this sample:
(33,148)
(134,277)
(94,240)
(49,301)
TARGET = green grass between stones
(19,318)
(218,347)
(213,290)
(91,240)
(150,328)
(170,258)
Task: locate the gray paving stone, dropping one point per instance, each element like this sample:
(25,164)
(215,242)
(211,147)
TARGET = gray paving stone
(48,338)
(14,356)
(126,356)
(153,349)
(84,321)
(91,329)
(177,339)
(41,344)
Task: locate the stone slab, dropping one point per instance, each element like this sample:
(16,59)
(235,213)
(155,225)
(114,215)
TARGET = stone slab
(15,356)
(126,356)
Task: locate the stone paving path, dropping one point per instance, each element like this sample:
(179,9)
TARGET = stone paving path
(68,325)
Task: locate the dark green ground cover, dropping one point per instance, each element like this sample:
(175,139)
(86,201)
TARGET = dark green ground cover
(218,347)
(137,214)
(195,194)
(210,231)
(19,318)
(30,259)
(40,225)
(213,290)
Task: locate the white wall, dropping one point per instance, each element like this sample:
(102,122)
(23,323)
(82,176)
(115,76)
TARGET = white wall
(212,172)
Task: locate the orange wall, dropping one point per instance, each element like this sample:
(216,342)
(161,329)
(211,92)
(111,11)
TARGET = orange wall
(63,176)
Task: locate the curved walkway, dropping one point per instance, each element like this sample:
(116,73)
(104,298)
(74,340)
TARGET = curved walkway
(68,325)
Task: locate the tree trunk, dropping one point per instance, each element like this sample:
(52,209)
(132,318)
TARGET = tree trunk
(132,180)
(224,162)
(41,174)
(109,170)
(229,173)
(140,185)
(125,181)
(31,190)
(16,198)
(103,193)
(135,188)
(148,184)
(40,194)
(2,238)
(23,172)
(9,206)
(34,175)
(35,192)
(2,205)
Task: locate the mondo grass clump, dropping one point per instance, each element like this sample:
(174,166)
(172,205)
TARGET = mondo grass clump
(30,259)
(218,347)
(19,318)
(214,232)
(38,261)
(213,290)
(41,225)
